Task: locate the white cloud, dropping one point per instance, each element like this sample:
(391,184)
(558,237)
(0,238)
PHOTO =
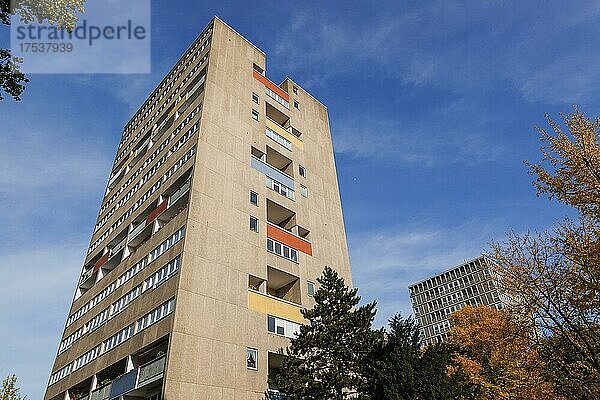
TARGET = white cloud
(430,145)
(463,49)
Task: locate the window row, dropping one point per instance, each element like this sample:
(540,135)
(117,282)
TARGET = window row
(127,275)
(146,178)
(277,98)
(278,138)
(190,56)
(280,188)
(150,126)
(142,323)
(282,327)
(282,250)
(137,173)
(160,276)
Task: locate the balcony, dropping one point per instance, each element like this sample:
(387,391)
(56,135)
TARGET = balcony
(101,393)
(151,371)
(101,262)
(134,383)
(143,224)
(285,134)
(283,286)
(116,178)
(272,90)
(136,231)
(85,277)
(179,193)
(269,305)
(288,238)
(283,228)
(118,247)
(123,384)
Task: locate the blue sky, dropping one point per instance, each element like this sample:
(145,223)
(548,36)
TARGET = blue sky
(432,106)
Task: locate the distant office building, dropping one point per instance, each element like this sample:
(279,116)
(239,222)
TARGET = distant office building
(435,298)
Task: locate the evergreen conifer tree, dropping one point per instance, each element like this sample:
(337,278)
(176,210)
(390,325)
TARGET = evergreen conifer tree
(331,358)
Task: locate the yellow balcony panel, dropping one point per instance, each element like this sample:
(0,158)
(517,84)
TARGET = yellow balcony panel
(174,110)
(273,306)
(275,127)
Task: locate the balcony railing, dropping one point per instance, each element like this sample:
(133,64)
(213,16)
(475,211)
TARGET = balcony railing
(278,307)
(179,193)
(285,135)
(86,275)
(102,393)
(101,262)
(151,371)
(118,247)
(289,238)
(136,231)
(123,384)
(134,379)
(272,172)
(274,91)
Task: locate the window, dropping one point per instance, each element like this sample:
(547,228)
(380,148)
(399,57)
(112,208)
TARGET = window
(280,188)
(303,190)
(295,89)
(310,288)
(254,198)
(251,358)
(254,224)
(296,105)
(302,171)
(278,138)
(255,115)
(282,327)
(282,250)
(255,98)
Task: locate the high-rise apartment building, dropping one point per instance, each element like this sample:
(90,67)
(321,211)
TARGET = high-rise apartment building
(221,210)
(434,299)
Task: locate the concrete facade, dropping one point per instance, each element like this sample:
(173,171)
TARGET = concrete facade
(434,299)
(199,285)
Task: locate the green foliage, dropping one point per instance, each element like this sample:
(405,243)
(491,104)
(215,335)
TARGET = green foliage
(339,356)
(59,13)
(9,390)
(331,357)
(405,371)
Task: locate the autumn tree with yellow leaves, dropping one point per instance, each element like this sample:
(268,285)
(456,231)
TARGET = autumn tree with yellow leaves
(553,278)
(498,360)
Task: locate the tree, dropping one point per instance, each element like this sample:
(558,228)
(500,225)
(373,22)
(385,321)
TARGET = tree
(554,277)
(59,13)
(330,357)
(405,371)
(499,361)
(9,390)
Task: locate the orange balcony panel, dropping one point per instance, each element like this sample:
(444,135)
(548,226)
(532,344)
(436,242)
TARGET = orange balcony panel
(287,238)
(265,81)
(101,261)
(157,211)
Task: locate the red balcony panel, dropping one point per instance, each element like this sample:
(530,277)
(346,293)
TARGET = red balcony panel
(101,261)
(287,238)
(157,211)
(265,81)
